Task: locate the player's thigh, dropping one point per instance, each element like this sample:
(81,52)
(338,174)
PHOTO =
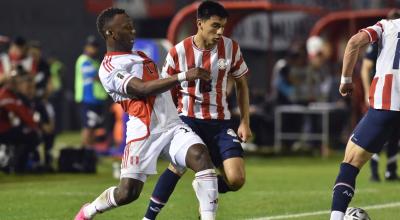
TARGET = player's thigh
(140,157)
(183,139)
(369,136)
(356,155)
(374,129)
(92,116)
(228,147)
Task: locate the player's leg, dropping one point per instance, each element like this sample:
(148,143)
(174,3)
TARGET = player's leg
(368,138)
(374,165)
(126,192)
(233,175)
(166,182)
(230,152)
(392,149)
(205,183)
(139,160)
(188,150)
(162,191)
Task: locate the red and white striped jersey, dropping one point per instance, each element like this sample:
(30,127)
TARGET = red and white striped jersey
(385,87)
(149,115)
(223,60)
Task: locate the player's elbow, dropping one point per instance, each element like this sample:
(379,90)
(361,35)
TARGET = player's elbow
(358,40)
(138,90)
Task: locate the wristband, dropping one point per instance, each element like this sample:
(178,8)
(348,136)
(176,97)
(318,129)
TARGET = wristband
(345,80)
(182,76)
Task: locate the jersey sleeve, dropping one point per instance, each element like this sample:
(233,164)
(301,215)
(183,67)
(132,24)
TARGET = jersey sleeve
(375,31)
(117,80)
(239,67)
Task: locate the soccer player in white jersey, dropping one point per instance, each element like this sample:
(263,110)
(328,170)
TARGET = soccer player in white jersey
(202,104)
(381,119)
(154,128)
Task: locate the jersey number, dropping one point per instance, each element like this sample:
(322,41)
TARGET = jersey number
(397,54)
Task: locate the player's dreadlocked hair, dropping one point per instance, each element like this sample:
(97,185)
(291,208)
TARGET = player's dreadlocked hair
(209,8)
(105,16)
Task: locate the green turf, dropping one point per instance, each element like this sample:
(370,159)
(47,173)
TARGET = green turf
(275,186)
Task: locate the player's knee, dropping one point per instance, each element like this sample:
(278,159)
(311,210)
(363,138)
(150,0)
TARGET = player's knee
(198,158)
(356,155)
(236,182)
(126,196)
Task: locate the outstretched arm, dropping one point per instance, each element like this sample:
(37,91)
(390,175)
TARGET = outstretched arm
(138,88)
(352,50)
(366,68)
(242,91)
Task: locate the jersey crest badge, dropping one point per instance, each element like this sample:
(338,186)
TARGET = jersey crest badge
(222,64)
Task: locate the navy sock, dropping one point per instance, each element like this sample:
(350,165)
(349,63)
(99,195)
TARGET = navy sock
(374,162)
(344,188)
(222,186)
(161,193)
(391,153)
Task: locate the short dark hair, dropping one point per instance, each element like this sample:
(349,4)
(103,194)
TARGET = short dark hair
(393,14)
(105,16)
(210,8)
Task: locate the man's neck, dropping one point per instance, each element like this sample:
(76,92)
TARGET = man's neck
(201,43)
(117,48)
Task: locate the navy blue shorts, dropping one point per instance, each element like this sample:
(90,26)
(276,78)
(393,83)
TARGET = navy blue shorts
(91,115)
(375,128)
(219,136)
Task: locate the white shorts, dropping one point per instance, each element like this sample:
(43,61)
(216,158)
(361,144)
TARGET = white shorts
(140,157)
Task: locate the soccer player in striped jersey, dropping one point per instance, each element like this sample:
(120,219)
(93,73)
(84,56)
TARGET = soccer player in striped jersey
(202,104)
(382,118)
(133,81)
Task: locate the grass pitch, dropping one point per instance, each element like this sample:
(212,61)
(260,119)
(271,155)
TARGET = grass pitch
(276,188)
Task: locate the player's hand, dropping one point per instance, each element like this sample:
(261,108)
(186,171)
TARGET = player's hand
(197,73)
(244,132)
(366,97)
(346,89)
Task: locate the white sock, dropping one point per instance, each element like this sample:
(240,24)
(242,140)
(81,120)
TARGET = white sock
(104,202)
(205,185)
(337,215)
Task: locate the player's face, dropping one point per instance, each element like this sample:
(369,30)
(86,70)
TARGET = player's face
(212,29)
(123,31)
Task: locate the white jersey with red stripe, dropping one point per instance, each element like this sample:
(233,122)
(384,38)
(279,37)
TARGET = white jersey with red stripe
(148,115)
(385,87)
(194,99)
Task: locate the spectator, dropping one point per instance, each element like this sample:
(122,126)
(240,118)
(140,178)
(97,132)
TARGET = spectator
(18,129)
(17,55)
(89,92)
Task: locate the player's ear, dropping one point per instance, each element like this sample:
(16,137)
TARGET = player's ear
(199,24)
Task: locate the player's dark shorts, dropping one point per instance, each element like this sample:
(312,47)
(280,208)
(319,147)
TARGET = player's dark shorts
(219,136)
(375,128)
(92,115)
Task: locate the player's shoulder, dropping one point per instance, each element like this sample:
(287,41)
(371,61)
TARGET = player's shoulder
(229,42)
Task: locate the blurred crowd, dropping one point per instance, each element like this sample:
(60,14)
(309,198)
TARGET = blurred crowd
(31,96)
(30,86)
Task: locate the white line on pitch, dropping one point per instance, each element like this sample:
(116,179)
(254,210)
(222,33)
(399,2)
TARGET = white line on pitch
(305,214)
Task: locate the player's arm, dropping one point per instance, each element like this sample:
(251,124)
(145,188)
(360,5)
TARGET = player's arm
(350,57)
(138,88)
(242,92)
(366,68)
